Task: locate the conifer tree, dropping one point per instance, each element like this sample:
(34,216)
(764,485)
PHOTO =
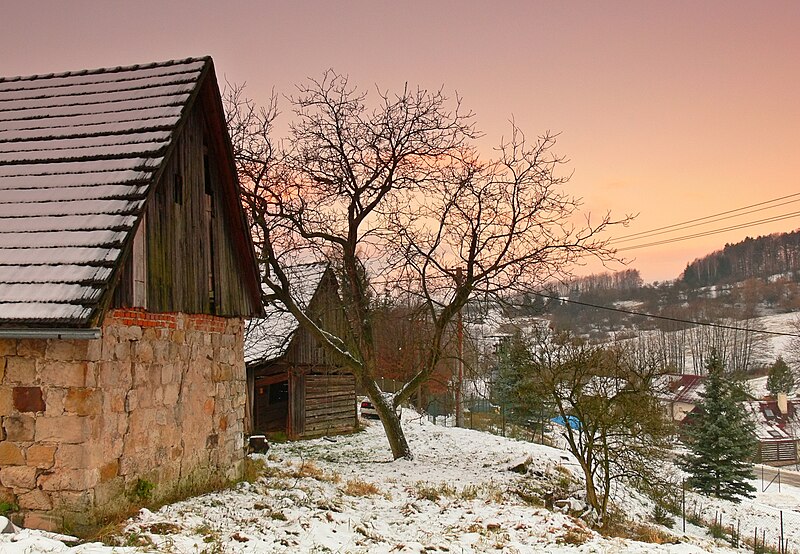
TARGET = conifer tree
(721,439)
(512,387)
(780,378)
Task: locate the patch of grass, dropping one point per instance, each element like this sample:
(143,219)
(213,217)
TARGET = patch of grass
(575,536)
(617,525)
(8,508)
(253,469)
(564,482)
(532,496)
(646,533)
(434,493)
(311,470)
(717,531)
(162,528)
(211,537)
(277,436)
(136,539)
(357,487)
(469,492)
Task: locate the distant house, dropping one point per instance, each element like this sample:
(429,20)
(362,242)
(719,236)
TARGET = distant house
(126,272)
(682,394)
(295,387)
(777,429)
(777,421)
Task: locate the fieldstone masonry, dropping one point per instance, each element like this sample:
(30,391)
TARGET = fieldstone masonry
(159,397)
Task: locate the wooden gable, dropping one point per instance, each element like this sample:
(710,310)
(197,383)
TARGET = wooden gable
(84,156)
(278,336)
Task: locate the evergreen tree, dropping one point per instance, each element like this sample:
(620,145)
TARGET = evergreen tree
(512,387)
(780,378)
(721,439)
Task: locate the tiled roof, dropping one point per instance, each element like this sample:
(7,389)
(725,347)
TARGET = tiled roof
(79,152)
(771,424)
(687,388)
(268,338)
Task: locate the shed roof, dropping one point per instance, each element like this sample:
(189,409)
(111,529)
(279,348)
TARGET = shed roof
(79,154)
(268,338)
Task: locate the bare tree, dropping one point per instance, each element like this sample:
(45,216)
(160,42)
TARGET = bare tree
(396,197)
(607,400)
(487,228)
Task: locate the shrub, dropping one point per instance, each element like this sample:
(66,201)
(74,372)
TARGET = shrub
(142,490)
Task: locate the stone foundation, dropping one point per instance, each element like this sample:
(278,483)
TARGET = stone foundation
(158,398)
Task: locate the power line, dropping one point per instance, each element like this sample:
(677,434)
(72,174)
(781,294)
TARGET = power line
(667,318)
(712,231)
(666,228)
(684,227)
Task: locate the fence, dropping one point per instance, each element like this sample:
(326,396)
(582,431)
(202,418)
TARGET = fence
(762,528)
(494,420)
(765,530)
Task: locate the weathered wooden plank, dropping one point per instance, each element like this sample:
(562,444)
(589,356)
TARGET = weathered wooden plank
(331,427)
(324,413)
(332,391)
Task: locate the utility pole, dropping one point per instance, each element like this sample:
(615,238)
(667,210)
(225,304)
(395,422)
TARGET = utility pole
(460,359)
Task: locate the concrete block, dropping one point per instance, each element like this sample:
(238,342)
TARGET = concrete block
(72,456)
(66,350)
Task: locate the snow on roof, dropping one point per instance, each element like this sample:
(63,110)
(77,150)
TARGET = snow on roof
(686,388)
(79,152)
(771,424)
(268,338)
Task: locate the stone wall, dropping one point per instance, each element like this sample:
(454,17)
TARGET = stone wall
(159,397)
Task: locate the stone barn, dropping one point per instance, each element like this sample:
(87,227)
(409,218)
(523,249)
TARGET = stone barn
(295,386)
(126,272)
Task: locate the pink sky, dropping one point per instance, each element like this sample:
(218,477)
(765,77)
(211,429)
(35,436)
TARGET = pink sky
(672,110)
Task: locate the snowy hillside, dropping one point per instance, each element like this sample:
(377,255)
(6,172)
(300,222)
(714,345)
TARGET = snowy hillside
(458,495)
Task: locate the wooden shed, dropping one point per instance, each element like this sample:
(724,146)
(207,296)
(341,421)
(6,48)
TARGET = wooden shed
(295,387)
(126,273)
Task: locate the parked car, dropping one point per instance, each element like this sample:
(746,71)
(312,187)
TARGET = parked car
(368,411)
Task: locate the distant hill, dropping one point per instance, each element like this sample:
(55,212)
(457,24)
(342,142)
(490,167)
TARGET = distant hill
(761,257)
(753,278)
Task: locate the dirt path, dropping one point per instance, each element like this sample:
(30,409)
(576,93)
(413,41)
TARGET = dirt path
(769,473)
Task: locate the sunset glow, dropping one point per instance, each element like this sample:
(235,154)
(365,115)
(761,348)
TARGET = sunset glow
(670,110)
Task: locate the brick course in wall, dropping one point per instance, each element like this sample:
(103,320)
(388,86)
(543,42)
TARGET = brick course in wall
(159,397)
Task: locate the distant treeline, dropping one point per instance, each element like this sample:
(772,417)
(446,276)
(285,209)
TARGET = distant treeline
(752,258)
(627,280)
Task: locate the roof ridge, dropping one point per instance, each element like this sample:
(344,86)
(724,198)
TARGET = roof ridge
(102,70)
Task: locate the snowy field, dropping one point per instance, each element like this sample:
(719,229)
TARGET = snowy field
(458,495)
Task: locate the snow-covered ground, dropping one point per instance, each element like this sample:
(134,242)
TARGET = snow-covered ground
(457,495)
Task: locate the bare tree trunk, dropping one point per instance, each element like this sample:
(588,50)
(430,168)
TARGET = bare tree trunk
(389,419)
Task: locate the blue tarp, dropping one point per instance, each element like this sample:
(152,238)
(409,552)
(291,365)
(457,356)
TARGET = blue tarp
(573,421)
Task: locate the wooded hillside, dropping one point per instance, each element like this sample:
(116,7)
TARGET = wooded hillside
(759,257)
